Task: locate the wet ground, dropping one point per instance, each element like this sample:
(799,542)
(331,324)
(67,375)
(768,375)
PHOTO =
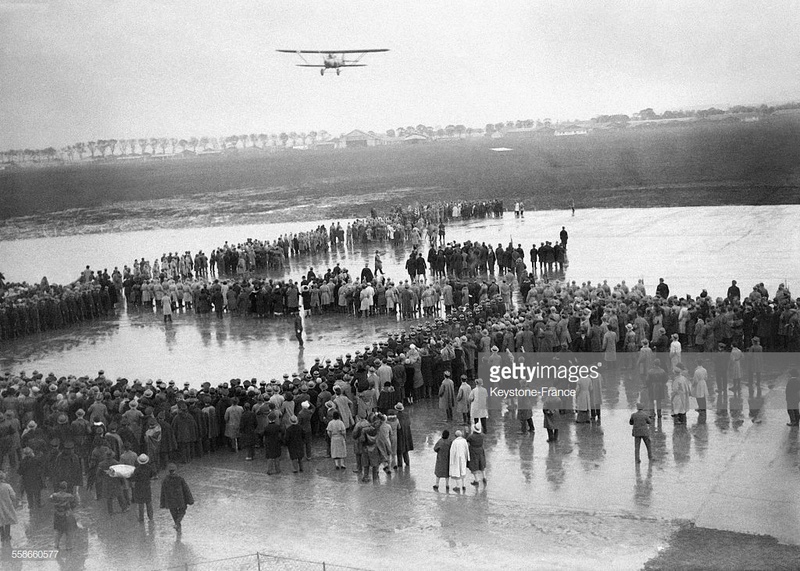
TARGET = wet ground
(581,503)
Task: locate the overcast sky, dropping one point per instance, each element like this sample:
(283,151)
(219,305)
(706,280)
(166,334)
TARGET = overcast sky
(82,70)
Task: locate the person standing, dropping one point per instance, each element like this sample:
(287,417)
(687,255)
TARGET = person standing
(680,394)
(700,387)
(583,399)
(596,396)
(31,472)
(640,420)
(63,516)
(142,494)
(294,444)
(552,417)
(462,399)
(442,467)
(336,431)
(478,399)
(8,512)
(477,455)
(459,456)
(67,468)
(233,420)
(447,395)
(273,435)
(298,328)
(175,496)
(793,398)
(247,431)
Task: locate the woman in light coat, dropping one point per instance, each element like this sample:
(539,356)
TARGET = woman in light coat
(459,456)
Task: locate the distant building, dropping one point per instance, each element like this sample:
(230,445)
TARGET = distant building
(330,144)
(570,131)
(415,138)
(359,138)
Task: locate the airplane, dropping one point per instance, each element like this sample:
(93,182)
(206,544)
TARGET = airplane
(331,58)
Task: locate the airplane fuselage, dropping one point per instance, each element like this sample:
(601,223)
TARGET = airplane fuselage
(332,62)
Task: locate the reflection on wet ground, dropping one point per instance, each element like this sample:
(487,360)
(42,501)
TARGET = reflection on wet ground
(580,503)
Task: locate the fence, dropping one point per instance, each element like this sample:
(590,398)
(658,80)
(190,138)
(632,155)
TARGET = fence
(261,562)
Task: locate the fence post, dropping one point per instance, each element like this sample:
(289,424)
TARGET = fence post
(258,560)
(323,566)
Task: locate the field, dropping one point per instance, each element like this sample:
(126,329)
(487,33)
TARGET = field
(701,164)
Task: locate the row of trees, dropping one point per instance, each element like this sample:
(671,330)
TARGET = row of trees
(162,146)
(649,114)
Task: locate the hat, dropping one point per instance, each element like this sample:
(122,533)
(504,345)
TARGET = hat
(399,406)
(31,425)
(477,427)
(495,349)
(63,419)
(69,445)
(639,405)
(172,467)
(143,459)
(293,419)
(272,417)
(305,404)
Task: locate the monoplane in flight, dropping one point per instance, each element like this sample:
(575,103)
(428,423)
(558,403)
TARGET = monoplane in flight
(332,59)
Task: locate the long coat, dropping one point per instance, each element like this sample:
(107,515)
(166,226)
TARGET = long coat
(175,493)
(477,455)
(459,456)
(680,395)
(294,441)
(233,418)
(184,427)
(142,492)
(247,428)
(447,394)
(583,399)
(272,440)
(8,515)
(462,399)
(478,402)
(442,449)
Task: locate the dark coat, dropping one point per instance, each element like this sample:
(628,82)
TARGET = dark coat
(442,449)
(175,493)
(294,441)
(272,440)
(640,421)
(247,428)
(31,471)
(67,468)
(184,427)
(142,493)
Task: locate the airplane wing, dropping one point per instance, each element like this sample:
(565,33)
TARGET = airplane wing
(308,65)
(332,51)
(353,65)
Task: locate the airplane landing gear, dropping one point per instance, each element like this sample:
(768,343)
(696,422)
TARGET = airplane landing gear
(338,71)
(322,72)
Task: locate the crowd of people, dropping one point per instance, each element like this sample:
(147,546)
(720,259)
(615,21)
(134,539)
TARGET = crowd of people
(72,430)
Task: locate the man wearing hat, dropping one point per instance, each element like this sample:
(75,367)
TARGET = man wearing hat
(175,496)
(142,494)
(640,421)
